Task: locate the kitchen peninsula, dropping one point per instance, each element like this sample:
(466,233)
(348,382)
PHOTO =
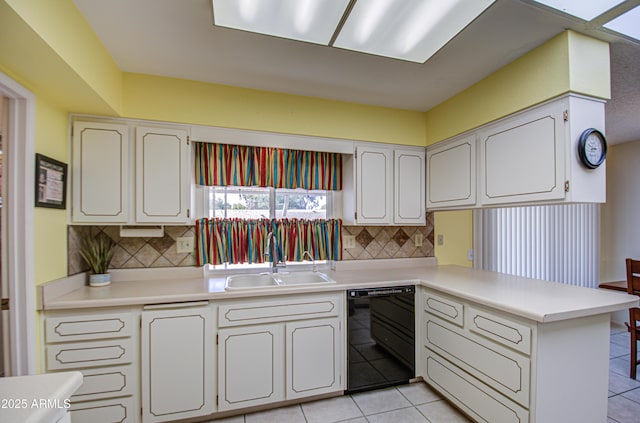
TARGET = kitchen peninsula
(501,348)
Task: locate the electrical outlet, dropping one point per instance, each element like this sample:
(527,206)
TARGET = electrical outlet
(417,240)
(349,241)
(440,239)
(184,245)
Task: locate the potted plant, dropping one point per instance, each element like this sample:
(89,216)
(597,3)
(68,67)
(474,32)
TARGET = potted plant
(98,252)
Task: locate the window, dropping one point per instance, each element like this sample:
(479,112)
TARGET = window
(269,203)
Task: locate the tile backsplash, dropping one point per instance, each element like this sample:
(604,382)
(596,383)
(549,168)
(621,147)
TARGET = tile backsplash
(372,242)
(382,242)
(132,252)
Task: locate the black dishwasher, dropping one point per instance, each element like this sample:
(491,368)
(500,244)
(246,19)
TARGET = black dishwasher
(381,328)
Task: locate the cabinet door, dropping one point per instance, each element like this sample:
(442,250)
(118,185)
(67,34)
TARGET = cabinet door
(373,185)
(100,172)
(250,366)
(162,175)
(177,357)
(313,357)
(409,188)
(522,158)
(451,174)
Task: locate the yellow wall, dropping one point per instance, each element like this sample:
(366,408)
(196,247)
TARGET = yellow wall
(568,62)
(176,100)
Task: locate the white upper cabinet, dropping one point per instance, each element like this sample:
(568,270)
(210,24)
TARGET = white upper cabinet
(522,158)
(373,185)
(387,184)
(120,182)
(527,158)
(451,173)
(408,191)
(162,173)
(100,172)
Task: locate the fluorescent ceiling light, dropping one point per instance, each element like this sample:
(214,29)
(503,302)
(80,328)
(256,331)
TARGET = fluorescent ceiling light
(313,21)
(628,23)
(410,30)
(583,9)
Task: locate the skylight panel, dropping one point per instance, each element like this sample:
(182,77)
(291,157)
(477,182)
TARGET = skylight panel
(628,23)
(583,9)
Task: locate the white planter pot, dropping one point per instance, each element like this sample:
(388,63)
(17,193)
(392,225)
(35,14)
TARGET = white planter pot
(99,279)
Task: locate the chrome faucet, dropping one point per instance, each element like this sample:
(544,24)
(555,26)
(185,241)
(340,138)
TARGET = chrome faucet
(272,252)
(306,253)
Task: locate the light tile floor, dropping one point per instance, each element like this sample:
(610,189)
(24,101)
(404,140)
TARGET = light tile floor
(417,403)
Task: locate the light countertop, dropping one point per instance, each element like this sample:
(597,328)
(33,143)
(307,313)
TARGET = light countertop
(532,299)
(38,398)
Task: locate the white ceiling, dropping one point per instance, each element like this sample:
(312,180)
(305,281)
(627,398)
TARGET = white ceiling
(176,38)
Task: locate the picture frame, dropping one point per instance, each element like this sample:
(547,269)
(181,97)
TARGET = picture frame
(50,183)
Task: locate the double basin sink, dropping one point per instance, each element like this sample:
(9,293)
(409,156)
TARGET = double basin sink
(265,280)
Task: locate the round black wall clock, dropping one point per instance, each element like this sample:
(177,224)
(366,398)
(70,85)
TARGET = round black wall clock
(592,148)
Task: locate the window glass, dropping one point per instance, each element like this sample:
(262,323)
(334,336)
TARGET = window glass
(300,204)
(266,203)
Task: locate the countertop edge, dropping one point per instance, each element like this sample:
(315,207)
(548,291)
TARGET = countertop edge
(451,280)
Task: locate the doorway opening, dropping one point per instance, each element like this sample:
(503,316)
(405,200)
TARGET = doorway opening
(17,307)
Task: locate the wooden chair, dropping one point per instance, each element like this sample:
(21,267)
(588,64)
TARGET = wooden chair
(633,288)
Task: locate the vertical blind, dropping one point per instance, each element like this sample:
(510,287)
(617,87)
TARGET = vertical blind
(559,243)
(243,165)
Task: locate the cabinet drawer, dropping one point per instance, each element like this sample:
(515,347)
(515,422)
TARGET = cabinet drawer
(120,410)
(106,382)
(477,400)
(89,354)
(236,313)
(506,371)
(444,308)
(85,327)
(504,331)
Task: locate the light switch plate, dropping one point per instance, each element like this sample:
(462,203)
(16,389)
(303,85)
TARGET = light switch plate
(349,241)
(440,239)
(184,245)
(418,238)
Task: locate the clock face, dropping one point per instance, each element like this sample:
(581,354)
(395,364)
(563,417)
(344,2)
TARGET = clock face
(592,148)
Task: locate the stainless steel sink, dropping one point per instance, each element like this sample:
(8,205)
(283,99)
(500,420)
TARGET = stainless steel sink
(248,281)
(265,280)
(302,278)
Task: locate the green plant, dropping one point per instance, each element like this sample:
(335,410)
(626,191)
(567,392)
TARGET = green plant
(97,252)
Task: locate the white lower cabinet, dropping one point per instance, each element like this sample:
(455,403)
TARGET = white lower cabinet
(103,346)
(479,360)
(177,362)
(277,349)
(250,364)
(498,367)
(312,358)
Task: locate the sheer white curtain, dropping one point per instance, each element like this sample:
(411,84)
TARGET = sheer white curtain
(559,243)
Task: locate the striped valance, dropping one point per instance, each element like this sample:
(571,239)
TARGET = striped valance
(244,240)
(242,165)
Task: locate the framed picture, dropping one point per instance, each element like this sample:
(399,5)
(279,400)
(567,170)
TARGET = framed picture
(51,183)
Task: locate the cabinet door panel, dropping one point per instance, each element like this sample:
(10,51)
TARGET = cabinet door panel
(409,188)
(177,371)
(373,190)
(476,399)
(251,368)
(313,362)
(121,410)
(100,172)
(451,173)
(162,184)
(507,372)
(523,157)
